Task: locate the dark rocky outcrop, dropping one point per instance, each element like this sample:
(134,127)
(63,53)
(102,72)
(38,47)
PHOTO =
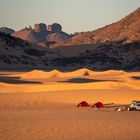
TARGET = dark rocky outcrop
(6,30)
(105,56)
(15,52)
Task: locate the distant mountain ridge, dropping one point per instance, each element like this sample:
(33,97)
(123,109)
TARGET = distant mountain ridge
(126,30)
(115,46)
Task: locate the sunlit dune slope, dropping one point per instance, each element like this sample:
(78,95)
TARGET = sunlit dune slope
(39,74)
(42,81)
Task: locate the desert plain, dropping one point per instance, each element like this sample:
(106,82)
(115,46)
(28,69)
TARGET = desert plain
(41,105)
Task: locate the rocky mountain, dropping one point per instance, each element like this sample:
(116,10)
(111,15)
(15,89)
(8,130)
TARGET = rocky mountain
(126,30)
(116,46)
(42,33)
(15,52)
(6,30)
(104,56)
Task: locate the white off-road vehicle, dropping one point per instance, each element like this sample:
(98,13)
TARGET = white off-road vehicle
(135,105)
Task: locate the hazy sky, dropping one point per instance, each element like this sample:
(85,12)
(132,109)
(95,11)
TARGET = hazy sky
(73,15)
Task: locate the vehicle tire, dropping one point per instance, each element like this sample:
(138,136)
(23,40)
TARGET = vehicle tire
(133,109)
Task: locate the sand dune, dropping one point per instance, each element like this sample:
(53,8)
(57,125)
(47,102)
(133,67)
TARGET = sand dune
(41,105)
(55,81)
(41,81)
(38,74)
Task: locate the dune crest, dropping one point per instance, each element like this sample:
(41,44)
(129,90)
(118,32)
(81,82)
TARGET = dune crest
(39,74)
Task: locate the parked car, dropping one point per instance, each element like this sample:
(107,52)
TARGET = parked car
(135,105)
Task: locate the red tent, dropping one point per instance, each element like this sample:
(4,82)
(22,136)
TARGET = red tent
(98,105)
(83,104)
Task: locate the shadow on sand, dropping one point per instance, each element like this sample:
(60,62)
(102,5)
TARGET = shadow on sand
(136,77)
(3,74)
(16,80)
(86,80)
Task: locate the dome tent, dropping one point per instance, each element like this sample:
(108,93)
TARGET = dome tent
(83,104)
(98,105)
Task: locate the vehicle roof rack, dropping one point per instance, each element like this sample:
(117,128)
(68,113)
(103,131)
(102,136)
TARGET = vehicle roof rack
(136,101)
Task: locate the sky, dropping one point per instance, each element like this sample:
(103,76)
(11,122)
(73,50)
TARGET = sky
(73,15)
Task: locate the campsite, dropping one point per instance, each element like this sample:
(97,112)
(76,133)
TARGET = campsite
(99,106)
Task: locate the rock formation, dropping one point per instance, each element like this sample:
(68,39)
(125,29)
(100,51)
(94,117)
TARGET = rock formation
(56,27)
(40,27)
(41,33)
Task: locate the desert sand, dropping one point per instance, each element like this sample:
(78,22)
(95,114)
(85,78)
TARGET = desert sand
(41,105)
